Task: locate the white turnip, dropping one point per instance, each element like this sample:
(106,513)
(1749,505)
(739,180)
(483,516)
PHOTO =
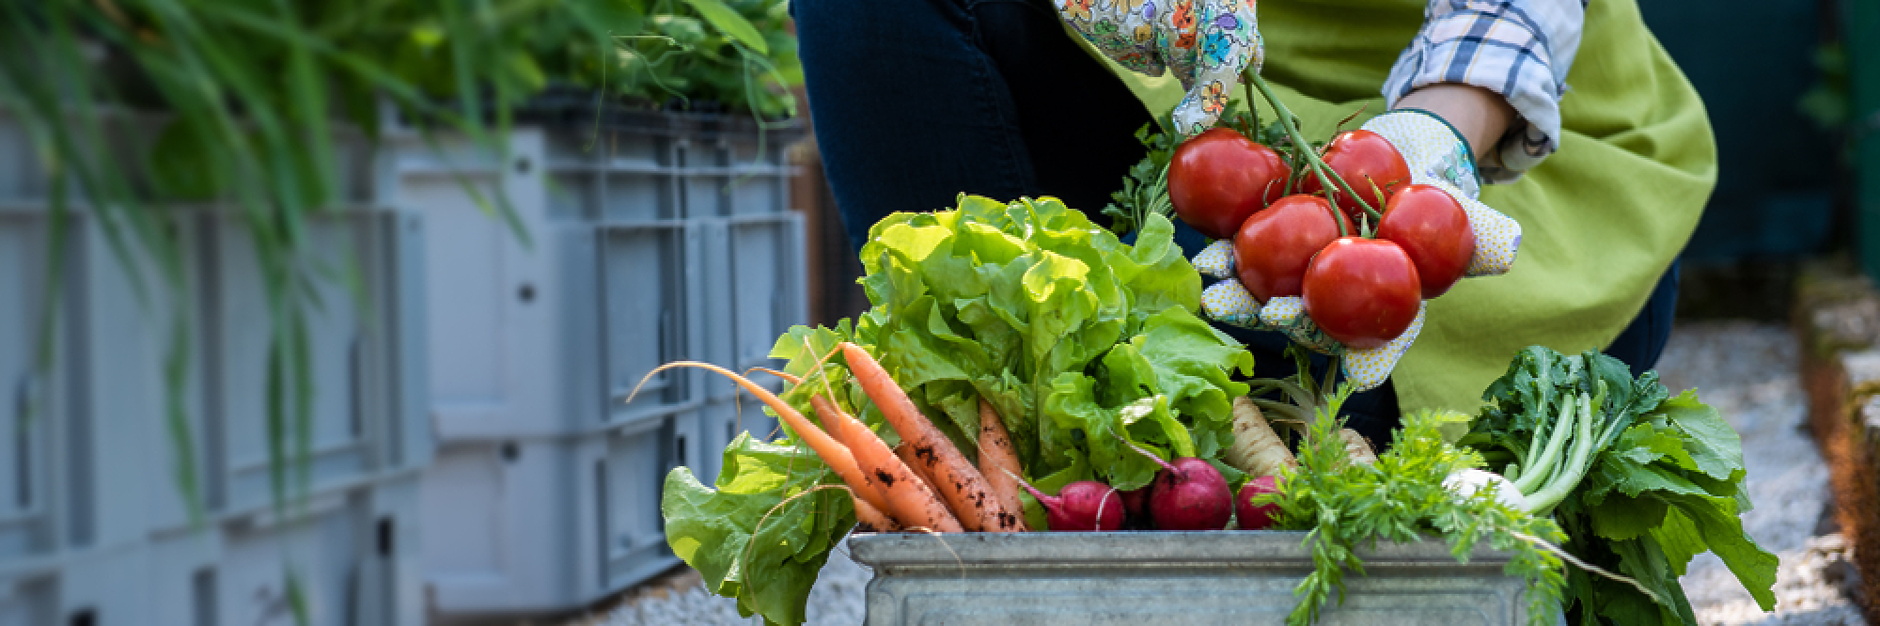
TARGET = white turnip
(1464,483)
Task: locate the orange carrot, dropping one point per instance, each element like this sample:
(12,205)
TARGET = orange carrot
(906,451)
(871,520)
(998,462)
(832,452)
(910,500)
(955,478)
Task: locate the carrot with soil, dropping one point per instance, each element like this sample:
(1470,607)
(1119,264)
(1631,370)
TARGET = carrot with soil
(957,481)
(870,519)
(998,462)
(910,500)
(905,451)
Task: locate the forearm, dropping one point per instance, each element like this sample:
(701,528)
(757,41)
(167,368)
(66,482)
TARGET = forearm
(1480,115)
(1515,54)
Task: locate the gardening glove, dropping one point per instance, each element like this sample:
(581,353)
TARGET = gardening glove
(1229,302)
(1206,43)
(1437,156)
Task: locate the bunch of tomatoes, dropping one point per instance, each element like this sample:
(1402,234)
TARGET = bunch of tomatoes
(1362,255)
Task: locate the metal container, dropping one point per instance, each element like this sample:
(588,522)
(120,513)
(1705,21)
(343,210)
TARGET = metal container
(1169,578)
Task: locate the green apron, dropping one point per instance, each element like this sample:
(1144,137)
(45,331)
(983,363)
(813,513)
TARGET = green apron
(1602,218)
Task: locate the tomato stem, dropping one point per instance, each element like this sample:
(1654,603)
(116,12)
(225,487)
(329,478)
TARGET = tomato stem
(1291,123)
(1253,110)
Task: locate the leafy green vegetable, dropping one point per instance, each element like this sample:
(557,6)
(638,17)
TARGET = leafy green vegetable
(742,542)
(1082,343)
(1401,498)
(1664,486)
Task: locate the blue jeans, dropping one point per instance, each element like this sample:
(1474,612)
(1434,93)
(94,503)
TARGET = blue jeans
(916,101)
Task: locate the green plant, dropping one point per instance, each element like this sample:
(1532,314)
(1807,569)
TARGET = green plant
(704,54)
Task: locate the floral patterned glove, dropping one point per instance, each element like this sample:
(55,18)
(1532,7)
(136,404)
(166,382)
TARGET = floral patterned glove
(1437,156)
(1206,43)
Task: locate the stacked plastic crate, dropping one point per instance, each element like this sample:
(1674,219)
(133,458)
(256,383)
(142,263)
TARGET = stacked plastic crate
(94,529)
(635,240)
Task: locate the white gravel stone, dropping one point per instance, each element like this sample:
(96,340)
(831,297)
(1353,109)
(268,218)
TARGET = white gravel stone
(1749,372)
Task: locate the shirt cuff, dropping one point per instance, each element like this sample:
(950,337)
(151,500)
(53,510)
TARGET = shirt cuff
(1520,49)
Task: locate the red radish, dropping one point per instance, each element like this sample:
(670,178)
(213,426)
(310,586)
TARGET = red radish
(1082,506)
(1190,495)
(1136,505)
(1253,517)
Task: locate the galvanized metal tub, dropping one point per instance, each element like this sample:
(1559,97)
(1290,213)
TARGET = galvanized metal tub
(1224,577)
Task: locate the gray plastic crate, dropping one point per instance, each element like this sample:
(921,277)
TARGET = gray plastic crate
(93,528)
(628,484)
(364,371)
(649,317)
(544,525)
(1170,578)
(754,285)
(545,493)
(90,512)
(632,228)
(769,294)
(25,484)
(353,554)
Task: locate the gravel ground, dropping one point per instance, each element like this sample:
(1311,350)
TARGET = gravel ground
(1747,371)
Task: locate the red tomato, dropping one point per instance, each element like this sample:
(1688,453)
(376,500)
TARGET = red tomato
(1274,246)
(1432,228)
(1362,292)
(1219,177)
(1362,158)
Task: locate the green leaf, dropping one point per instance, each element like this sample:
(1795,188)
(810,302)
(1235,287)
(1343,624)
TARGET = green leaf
(744,539)
(731,24)
(1711,444)
(1717,521)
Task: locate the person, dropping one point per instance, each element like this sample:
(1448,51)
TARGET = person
(1584,129)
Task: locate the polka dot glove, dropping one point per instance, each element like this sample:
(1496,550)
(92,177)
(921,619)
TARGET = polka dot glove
(1229,302)
(1206,43)
(1437,156)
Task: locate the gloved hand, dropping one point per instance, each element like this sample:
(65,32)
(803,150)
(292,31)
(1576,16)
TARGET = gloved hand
(1206,43)
(1437,156)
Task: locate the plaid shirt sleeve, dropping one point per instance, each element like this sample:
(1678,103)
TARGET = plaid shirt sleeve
(1520,49)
